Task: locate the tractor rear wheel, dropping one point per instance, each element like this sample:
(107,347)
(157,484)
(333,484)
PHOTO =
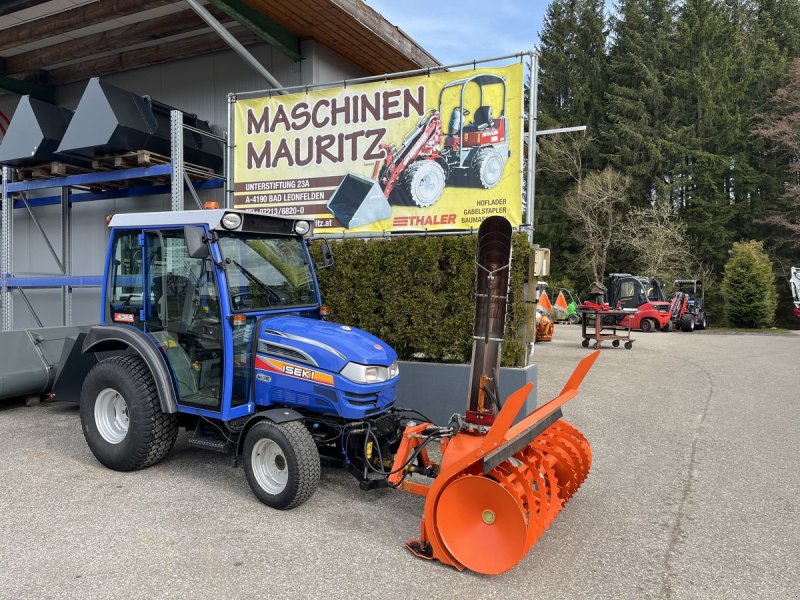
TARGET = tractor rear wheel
(121,415)
(687,322)
(281,463)
(647,325)
(424,182)
(487,167)
(574,319)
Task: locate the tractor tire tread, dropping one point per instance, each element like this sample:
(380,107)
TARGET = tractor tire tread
(308,459)
(155,441)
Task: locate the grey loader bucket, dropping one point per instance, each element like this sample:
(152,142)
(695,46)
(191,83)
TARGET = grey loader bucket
(38,361)
(359,201)
(34,134)
(111,120)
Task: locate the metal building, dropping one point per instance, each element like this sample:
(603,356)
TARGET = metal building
(52,250)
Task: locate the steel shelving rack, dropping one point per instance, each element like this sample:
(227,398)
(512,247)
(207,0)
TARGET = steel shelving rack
(15,196)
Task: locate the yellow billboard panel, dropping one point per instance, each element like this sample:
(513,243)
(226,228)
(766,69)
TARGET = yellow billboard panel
(433,152)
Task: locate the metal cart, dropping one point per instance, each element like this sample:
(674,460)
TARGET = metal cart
(606,326)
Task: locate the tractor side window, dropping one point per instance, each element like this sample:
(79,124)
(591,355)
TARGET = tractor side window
(183,317)
(124,295)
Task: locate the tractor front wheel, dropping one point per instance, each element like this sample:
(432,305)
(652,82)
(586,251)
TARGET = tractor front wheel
(424,182)
(121,415)
(487,168)
(687,322)
(574,319)
(281,463)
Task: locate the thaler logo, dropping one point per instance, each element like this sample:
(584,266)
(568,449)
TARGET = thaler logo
(424,220)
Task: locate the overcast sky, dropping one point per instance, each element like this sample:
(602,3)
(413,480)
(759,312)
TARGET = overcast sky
(456,31)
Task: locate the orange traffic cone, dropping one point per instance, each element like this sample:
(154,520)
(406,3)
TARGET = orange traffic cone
(544,303)
(561,304)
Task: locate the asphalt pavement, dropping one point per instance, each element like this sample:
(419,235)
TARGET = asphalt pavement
(694,493)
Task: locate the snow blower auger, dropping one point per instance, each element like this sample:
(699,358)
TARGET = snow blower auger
(498,486)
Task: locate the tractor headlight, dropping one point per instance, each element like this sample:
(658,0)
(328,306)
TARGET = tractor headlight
(369,373)
(302,227)
(231,220)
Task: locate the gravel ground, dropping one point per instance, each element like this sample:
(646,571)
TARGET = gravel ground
(693,494)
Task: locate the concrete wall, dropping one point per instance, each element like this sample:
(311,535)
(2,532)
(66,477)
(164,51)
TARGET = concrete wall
(440,390)
(198,85)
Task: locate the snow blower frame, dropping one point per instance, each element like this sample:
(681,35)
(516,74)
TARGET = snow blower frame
(499,485)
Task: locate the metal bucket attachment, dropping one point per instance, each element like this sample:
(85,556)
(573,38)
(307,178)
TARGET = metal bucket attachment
(111,120)
(359,201)
(34,134)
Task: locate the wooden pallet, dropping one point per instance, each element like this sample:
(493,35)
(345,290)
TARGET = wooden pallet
(145,158)
(50,170)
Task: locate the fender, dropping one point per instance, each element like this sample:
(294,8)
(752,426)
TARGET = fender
(104,338)
(276,415)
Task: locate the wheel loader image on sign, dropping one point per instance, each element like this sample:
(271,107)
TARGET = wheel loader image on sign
(212,322)
(472,152)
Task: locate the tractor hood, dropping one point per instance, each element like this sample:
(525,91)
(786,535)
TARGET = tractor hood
(327,345)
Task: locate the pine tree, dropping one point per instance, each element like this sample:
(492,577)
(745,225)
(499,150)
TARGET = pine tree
(572,81)
(637,98)
(749,286)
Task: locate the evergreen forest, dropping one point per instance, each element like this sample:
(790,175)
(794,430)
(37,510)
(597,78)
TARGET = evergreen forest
(692,111)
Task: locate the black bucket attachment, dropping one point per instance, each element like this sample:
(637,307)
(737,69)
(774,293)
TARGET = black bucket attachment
(111,120)
(358,201)
(34,134)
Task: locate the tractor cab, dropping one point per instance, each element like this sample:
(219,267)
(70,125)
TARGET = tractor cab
(230,300)
(476,139)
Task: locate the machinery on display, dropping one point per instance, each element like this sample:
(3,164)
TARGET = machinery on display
(646,295)
(688,305)
(212,321)
(794,284)
(566,304)
(470,154)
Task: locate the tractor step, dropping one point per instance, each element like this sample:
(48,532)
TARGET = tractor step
(216,444)
(209,438)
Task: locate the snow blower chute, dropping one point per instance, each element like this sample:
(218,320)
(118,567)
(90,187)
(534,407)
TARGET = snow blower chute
(499,485)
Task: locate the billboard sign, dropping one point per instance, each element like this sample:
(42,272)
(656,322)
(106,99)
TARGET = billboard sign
(433,152)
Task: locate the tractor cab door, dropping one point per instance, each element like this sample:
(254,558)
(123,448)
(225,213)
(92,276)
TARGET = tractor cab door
(182,315)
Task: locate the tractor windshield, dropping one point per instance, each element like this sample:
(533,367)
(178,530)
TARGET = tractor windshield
(266,273)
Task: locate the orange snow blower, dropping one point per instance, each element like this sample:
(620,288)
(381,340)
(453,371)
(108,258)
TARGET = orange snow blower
(498,485)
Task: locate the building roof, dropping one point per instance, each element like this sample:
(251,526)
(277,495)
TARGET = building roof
(46,43)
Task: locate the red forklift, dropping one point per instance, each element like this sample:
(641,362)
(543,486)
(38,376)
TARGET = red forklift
(472,152)
(646,295)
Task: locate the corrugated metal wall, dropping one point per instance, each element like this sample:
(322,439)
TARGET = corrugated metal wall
(199,85)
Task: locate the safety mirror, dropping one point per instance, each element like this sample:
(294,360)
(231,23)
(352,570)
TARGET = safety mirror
(327,256)
(196,241)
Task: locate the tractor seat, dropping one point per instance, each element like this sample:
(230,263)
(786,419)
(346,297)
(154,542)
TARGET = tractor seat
(483,118)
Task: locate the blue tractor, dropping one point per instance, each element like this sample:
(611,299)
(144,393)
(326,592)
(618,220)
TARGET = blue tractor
(212,321)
